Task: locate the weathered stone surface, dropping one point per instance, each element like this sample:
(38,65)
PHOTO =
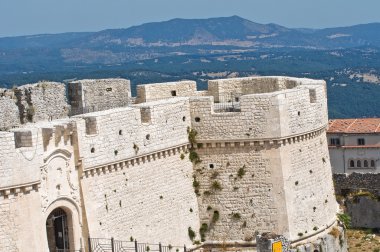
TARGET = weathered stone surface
(128,171)
(344,183)
(9,114)
(100,94)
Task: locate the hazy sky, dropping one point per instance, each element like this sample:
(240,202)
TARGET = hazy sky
(22,17)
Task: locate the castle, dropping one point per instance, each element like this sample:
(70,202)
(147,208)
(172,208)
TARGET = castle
(247,155)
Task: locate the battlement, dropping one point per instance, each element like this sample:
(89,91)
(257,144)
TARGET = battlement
(246,155)
(101,94)
(158,91)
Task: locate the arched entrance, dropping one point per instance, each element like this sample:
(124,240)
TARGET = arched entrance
(58,231)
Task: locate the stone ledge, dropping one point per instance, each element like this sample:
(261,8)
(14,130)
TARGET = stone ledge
(263,141)
(19,189)
(125,163)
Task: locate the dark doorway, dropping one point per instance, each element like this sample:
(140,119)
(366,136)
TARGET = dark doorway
(58,231)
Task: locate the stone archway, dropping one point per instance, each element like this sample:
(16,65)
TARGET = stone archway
(63,226)
(58,231)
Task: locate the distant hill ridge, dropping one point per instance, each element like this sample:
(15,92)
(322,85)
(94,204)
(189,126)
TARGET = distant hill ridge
(231,31)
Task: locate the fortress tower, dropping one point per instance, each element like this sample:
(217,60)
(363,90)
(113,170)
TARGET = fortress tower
(247,155)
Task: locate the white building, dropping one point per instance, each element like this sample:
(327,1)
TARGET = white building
(354,145)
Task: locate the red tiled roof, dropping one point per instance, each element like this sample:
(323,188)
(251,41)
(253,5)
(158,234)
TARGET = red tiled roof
(354,126)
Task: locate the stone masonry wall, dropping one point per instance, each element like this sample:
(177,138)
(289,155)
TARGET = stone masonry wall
(121,134)
(239,192)
(42,101)
(19,215)
(99,94)
(308,185)
(304,109)
(357,181)
(257,113)
(278,114)
(19,166)
(33,175)
(156,91)
(9,115)
(151,201)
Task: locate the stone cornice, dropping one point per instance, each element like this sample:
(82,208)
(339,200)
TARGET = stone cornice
(19,189)
(262,141)
(136,160)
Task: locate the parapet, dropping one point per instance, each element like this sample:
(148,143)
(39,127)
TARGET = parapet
(259,108)
(9,115)
(135,131)
(100,94)
(255,85)
(157,91)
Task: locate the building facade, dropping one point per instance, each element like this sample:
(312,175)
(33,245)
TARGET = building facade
(354,145)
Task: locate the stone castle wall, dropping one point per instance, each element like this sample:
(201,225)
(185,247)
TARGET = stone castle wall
(38,171)
(42,101)
(10,115)
(157,91)
(124,133)
(31,103)
(100,94)
(126,172)
(344,183)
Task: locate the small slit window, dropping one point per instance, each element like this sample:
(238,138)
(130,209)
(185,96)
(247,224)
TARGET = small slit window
(109,89)
(197,119)
(211,166)
(92,150)
(173,93)
(372,163)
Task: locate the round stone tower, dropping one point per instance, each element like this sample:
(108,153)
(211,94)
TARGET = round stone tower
(264,163)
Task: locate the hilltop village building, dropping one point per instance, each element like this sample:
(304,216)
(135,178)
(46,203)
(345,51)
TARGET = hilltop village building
(246,156)
(354,145)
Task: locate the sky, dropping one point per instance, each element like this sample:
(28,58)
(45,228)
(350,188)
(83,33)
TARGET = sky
(26,17)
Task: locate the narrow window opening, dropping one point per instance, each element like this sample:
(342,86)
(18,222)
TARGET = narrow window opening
(372,163)
(173,93)
(361,141)
(92,150)
(335,141)
(365,163)
(120,132)
(352,163)
(358,163)
(197,119)
(211,166)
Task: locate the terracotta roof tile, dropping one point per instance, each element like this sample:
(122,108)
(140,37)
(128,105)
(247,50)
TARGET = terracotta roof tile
(354,126)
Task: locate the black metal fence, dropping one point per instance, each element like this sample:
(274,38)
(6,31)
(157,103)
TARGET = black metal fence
(228,103)
(112,245)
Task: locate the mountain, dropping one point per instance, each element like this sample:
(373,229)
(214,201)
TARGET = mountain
(231,31)
(202,49)
(48,52)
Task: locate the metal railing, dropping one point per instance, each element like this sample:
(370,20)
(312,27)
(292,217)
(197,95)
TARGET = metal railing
(112,245)
(228,103)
